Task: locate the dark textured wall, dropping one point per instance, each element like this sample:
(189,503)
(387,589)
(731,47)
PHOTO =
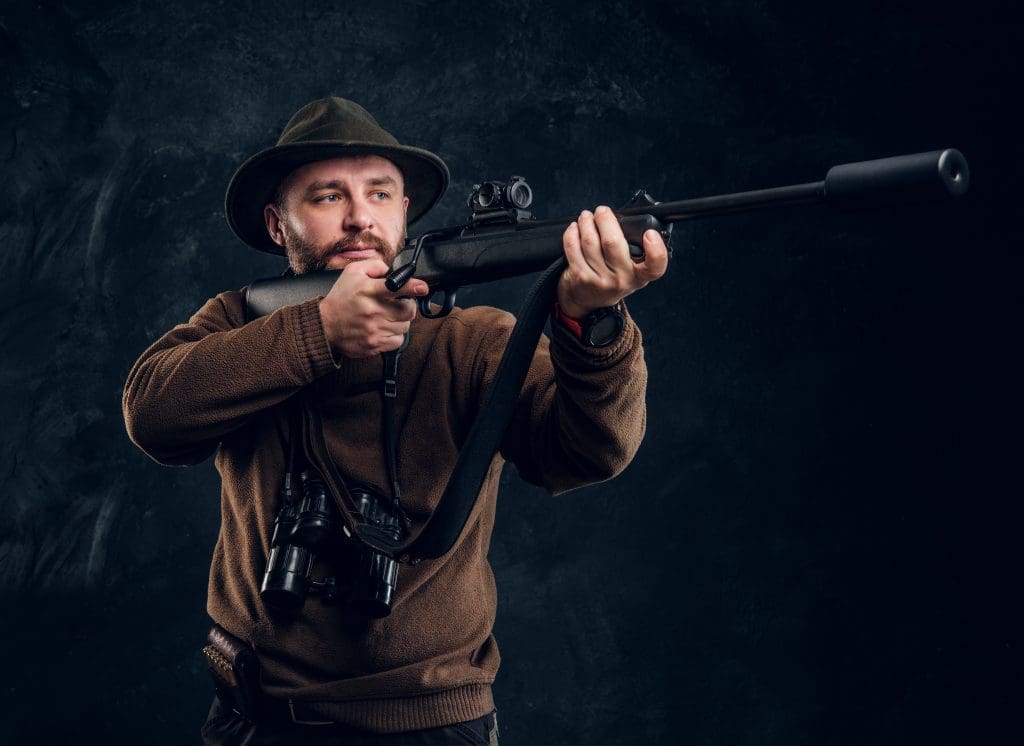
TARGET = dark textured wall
(815,544)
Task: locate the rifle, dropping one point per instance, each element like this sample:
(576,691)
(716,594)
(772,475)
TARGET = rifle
(502,239)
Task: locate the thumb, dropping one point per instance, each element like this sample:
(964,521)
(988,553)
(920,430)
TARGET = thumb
(416,287)
(655,257)
(370,267)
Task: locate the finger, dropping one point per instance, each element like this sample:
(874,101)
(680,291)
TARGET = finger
(411,289)
(573,253)
(414,287)
(391,328)
(590,243)
(390,344)
(378,290)
(398,309)
(655,257)
(614,248)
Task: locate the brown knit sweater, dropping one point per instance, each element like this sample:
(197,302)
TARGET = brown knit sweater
(218,381)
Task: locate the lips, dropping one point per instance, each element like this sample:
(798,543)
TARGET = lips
(339,259)
(353,253)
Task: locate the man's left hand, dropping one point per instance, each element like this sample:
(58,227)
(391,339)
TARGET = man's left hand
(601,271)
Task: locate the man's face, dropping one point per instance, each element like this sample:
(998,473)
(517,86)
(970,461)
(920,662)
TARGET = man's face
(335,212)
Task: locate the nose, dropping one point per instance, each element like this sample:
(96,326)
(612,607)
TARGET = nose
(358,217)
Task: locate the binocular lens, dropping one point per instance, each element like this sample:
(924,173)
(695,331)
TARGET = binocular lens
(286,580)
(374,584)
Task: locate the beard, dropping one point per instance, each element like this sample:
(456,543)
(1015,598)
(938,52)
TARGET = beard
(306,257)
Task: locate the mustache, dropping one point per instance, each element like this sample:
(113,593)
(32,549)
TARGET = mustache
(365,239)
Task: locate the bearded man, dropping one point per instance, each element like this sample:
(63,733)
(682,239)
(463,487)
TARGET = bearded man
(337,192)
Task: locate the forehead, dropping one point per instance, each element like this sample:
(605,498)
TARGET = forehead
(353,169)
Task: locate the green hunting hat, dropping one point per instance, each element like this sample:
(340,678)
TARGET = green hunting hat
(327,128)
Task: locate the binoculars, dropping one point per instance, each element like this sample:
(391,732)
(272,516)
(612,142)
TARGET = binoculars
(305,528)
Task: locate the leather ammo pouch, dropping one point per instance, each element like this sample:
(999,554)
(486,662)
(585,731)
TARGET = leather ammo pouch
(236,672)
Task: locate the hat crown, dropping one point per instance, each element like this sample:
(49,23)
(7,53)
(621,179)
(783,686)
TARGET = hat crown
(334,118)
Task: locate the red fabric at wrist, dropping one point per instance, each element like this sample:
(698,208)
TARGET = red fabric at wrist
(569,322)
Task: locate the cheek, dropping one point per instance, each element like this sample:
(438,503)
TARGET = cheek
(399,229)
(397,224)
(305,227)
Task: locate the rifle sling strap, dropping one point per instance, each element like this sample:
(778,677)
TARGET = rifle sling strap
(449,519)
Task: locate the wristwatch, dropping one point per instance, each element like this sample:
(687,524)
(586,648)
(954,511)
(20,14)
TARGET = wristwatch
(602,326)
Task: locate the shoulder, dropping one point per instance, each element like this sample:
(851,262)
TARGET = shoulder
(224,310)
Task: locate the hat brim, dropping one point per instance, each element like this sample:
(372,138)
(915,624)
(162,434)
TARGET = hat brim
(255,182)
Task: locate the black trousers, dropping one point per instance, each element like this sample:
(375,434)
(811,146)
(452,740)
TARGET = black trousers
(224,728)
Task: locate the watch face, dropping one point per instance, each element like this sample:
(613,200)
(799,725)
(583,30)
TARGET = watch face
(604,327)
(604,330)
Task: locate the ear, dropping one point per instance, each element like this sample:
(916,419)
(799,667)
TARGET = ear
(273,218)
(405,206)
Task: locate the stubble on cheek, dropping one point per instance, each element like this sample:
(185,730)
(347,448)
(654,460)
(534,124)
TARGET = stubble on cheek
(302,256)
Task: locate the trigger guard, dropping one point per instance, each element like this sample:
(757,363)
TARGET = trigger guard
(423,303)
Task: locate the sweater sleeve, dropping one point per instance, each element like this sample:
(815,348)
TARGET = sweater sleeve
(581,414)
(204,379)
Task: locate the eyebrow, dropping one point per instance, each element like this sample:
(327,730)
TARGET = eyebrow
(316,186)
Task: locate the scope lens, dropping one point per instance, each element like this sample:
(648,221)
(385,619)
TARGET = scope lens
(520,194)
(487,195)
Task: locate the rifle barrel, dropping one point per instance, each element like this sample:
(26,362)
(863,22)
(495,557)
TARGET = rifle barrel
(722,204)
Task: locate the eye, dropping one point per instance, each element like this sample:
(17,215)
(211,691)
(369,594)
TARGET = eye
(380,196)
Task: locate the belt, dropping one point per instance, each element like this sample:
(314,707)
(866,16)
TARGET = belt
(279,711)
(289,712)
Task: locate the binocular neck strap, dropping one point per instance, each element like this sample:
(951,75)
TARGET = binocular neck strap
(389,425)
(296,462)
(294,435)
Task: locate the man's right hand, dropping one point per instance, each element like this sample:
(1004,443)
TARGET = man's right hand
(362,317)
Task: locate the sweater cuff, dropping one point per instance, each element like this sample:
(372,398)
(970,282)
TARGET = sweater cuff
(571,349)
(310,339)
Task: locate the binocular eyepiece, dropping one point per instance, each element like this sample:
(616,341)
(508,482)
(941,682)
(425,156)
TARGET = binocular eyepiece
(303,529)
